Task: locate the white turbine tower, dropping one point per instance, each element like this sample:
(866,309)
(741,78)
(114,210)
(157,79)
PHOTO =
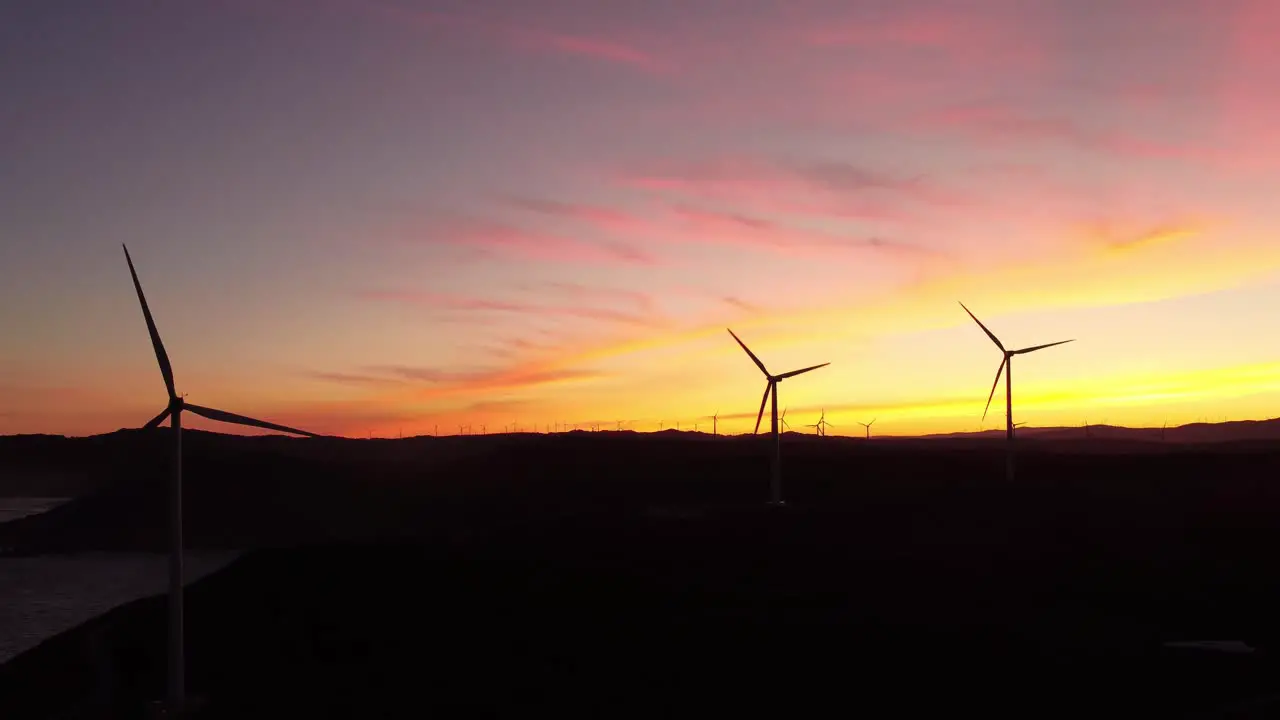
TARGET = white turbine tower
(177,404)
(771,389)
(1006,367)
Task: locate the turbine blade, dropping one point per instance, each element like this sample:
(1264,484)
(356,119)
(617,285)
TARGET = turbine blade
(873,422)
(155,421)
(990,334)
(754,359)
(793,373)
(226,417)
(161,356)
(767,387)
(829,424)
(1024,351)
(999,370)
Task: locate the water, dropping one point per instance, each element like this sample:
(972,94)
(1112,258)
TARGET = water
(45,595)
(14,508)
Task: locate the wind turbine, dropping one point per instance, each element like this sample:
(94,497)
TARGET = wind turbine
(1006,366)
(823,422)
(715,423)
(173,411)
(868,427)
(771,389)
(783,419)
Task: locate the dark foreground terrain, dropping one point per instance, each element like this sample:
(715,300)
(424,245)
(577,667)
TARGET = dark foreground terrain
(612,574)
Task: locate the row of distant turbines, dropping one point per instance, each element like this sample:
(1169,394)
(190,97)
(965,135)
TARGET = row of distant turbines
(820,427)
(177,404)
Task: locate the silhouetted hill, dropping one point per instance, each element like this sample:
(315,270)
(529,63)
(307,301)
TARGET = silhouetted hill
(1232,431)
(607,572)
(272,491)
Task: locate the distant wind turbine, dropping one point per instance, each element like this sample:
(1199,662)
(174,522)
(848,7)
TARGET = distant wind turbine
(771,389)
(1006,367)
(783,419)
(173,411)
(868,427)
(823,422)
(715,423)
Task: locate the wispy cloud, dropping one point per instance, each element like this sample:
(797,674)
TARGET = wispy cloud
(468,304)
(527,36)
(601,217)
(504,241)
(829,188)
(431,382)
(588,293)
(740,304)
(713,227)
(1141,241)
(356,379)
(1002,123)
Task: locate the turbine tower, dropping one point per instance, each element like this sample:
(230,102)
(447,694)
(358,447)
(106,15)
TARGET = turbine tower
(771,389)
(177,404)
(1006,367)
(868,427)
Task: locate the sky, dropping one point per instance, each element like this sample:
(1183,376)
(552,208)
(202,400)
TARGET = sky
(386,217)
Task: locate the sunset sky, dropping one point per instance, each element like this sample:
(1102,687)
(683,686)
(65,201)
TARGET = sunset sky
(379,217)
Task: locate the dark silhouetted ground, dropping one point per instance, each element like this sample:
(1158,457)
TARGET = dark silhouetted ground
(615,574)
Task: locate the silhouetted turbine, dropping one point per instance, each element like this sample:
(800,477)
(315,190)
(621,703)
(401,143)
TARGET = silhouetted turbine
(771,389)
(177,404)
(868,427)
(822,422)
(1006,367)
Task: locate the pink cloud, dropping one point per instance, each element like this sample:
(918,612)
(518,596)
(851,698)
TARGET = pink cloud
(506,241)
(834,189)
(606,49)
(591,47)
(600,217)
(993,123)
(445,382)
(706,226)
(466,304)
(586,293)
